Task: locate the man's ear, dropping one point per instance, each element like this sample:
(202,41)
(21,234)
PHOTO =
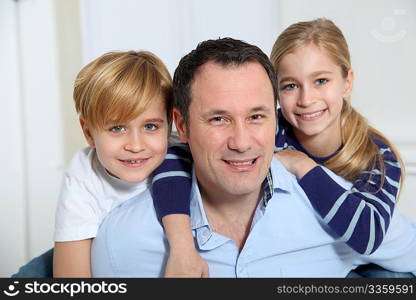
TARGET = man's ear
(349,83)
(180,125)
(87,133)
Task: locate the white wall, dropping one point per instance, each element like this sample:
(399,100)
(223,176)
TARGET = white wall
(33,120)
(44,43)
(171,28)
(42,116)
(12,159)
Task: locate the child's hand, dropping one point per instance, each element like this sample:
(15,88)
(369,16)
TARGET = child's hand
(184,260)
(296,162)
(186,264)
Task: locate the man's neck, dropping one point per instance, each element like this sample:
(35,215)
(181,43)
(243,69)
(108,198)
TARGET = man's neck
(231,215)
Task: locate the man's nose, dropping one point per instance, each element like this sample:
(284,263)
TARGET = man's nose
(239,139)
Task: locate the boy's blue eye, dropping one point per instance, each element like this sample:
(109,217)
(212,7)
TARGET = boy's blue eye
(150,127)
(118,128)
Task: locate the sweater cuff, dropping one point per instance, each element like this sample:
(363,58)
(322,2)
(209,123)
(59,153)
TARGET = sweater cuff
(171,196)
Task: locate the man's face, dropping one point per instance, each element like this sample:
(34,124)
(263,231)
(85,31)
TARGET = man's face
(231,128)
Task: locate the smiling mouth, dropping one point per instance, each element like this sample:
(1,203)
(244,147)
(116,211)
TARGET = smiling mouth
(241,163)
(133,162)
(312,116)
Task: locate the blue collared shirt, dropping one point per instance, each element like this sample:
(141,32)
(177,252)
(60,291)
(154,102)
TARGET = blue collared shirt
(287,239)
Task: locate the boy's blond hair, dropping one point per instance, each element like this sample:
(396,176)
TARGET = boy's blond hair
(118,86)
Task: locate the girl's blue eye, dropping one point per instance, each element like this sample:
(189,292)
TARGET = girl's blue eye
(290,86)
(150,127)
(321,81)
(118,128)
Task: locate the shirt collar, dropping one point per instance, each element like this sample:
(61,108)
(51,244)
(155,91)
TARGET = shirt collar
(198,215)
(199,221)
(268,189)
(282,178)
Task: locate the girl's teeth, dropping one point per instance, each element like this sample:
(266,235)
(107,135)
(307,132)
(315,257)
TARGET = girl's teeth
(312,115)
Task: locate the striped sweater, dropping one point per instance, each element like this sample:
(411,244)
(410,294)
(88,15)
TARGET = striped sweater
(359,216)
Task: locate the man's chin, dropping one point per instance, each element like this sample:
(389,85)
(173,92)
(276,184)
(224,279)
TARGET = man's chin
(242,188)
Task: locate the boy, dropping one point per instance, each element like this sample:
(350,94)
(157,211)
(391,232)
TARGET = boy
(124,102)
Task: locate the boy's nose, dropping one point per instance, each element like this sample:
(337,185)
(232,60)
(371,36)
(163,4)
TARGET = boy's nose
(133,143)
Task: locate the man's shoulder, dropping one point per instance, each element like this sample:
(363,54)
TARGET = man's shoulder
(134,215)
(130,241)
(137,204)
(283,176)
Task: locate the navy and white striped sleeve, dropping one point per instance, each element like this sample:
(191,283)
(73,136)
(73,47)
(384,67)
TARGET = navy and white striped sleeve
(361,215)
(171,182)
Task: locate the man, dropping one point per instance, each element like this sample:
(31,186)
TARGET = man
(249,216)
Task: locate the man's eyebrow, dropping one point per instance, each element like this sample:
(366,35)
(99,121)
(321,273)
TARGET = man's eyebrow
(225,112)
(214,112)
(261,108)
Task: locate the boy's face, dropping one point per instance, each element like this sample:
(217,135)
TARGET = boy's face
(131,151)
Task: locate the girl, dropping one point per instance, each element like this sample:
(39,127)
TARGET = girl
(319,126)
(124,101)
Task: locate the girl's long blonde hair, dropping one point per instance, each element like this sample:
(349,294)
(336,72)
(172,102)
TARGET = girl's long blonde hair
(359,151)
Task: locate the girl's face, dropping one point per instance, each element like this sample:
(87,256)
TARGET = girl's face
(311,92)
(133,150)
